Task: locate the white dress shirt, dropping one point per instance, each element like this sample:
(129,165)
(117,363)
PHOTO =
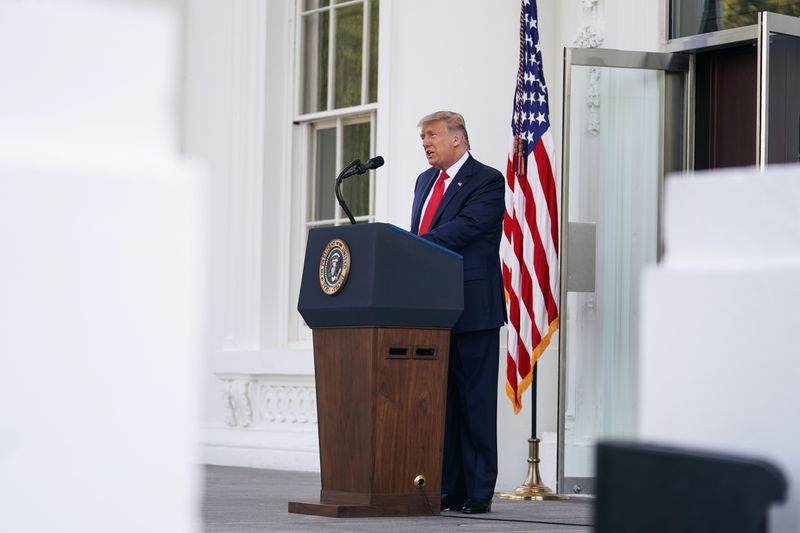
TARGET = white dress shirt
(452,170)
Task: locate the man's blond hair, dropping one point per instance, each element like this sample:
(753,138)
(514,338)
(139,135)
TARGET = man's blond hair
(453,121)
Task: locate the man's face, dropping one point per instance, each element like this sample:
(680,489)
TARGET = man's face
(441,148)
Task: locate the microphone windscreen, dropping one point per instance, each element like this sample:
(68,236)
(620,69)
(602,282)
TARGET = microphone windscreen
(375,162)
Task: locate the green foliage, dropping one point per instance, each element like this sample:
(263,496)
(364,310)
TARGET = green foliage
(348,53)
(355,145)
(373,50)
(322,62)
(737,13)
(349,30)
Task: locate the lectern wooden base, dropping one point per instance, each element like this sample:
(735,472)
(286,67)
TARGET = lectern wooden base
(380,403)
(410,505)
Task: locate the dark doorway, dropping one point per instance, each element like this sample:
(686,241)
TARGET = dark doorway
(725,107)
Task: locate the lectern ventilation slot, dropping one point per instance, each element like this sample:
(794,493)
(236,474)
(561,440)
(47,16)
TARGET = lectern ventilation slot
(398,352)
(425,352)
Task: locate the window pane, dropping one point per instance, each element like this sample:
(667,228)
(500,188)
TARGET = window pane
(349,28)
(355,141)
(314,4)
(325,176)
(374,8)
(783,114)
(615,195)
(690,17)
(316,28)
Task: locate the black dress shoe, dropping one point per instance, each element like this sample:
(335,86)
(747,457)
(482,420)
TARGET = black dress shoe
(452,502)
(476,506)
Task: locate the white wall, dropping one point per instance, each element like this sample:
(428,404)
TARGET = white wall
(206,130)
(472,71)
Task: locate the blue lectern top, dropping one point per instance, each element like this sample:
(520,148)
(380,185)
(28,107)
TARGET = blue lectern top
(379,275)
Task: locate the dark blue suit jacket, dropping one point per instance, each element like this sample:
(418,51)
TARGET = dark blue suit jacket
(469,221)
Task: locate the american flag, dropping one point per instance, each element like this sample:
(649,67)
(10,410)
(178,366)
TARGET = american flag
(529,247)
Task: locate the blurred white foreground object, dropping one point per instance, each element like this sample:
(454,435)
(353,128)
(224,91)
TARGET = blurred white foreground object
(100,273)
(720,364)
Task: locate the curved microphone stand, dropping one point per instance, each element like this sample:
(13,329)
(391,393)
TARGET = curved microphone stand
(349,170)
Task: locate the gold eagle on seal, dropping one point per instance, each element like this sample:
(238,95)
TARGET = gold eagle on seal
(334,267)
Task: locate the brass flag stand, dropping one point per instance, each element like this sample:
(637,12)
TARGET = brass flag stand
(532,488)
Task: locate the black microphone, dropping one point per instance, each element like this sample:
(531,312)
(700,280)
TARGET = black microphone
(375,162)
(355,167)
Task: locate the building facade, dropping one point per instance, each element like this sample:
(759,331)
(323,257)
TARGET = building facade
(279,95)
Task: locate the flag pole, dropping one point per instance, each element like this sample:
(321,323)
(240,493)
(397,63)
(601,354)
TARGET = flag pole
(533,489)
(534,396)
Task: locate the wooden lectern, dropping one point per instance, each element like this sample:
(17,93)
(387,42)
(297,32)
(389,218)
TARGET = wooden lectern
(381,303)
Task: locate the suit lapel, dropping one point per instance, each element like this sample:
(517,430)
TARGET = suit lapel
(454,188)
(430,179)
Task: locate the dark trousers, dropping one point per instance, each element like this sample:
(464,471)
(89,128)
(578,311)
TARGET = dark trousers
(469,466)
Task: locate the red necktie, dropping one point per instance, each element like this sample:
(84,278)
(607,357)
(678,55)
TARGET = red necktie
(433,203)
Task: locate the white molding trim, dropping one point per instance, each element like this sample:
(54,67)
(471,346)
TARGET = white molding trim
(271,422)
(246,174)
(276,448)
(239,412)
(590,35)
(267,387)
(292,404)
(259,401)
(593,101)
(281,292)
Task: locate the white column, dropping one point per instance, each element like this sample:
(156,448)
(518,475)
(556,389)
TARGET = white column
(259,393)
(719,320)
(245,174)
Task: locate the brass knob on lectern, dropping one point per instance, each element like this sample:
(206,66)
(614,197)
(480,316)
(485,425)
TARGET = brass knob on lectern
(419,481)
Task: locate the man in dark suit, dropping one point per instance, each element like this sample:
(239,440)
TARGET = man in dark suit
(459,204)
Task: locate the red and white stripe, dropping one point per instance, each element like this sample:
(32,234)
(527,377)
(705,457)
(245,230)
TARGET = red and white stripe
(529,254)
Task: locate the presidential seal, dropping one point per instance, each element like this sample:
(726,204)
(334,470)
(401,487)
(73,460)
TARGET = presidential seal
(334,267)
